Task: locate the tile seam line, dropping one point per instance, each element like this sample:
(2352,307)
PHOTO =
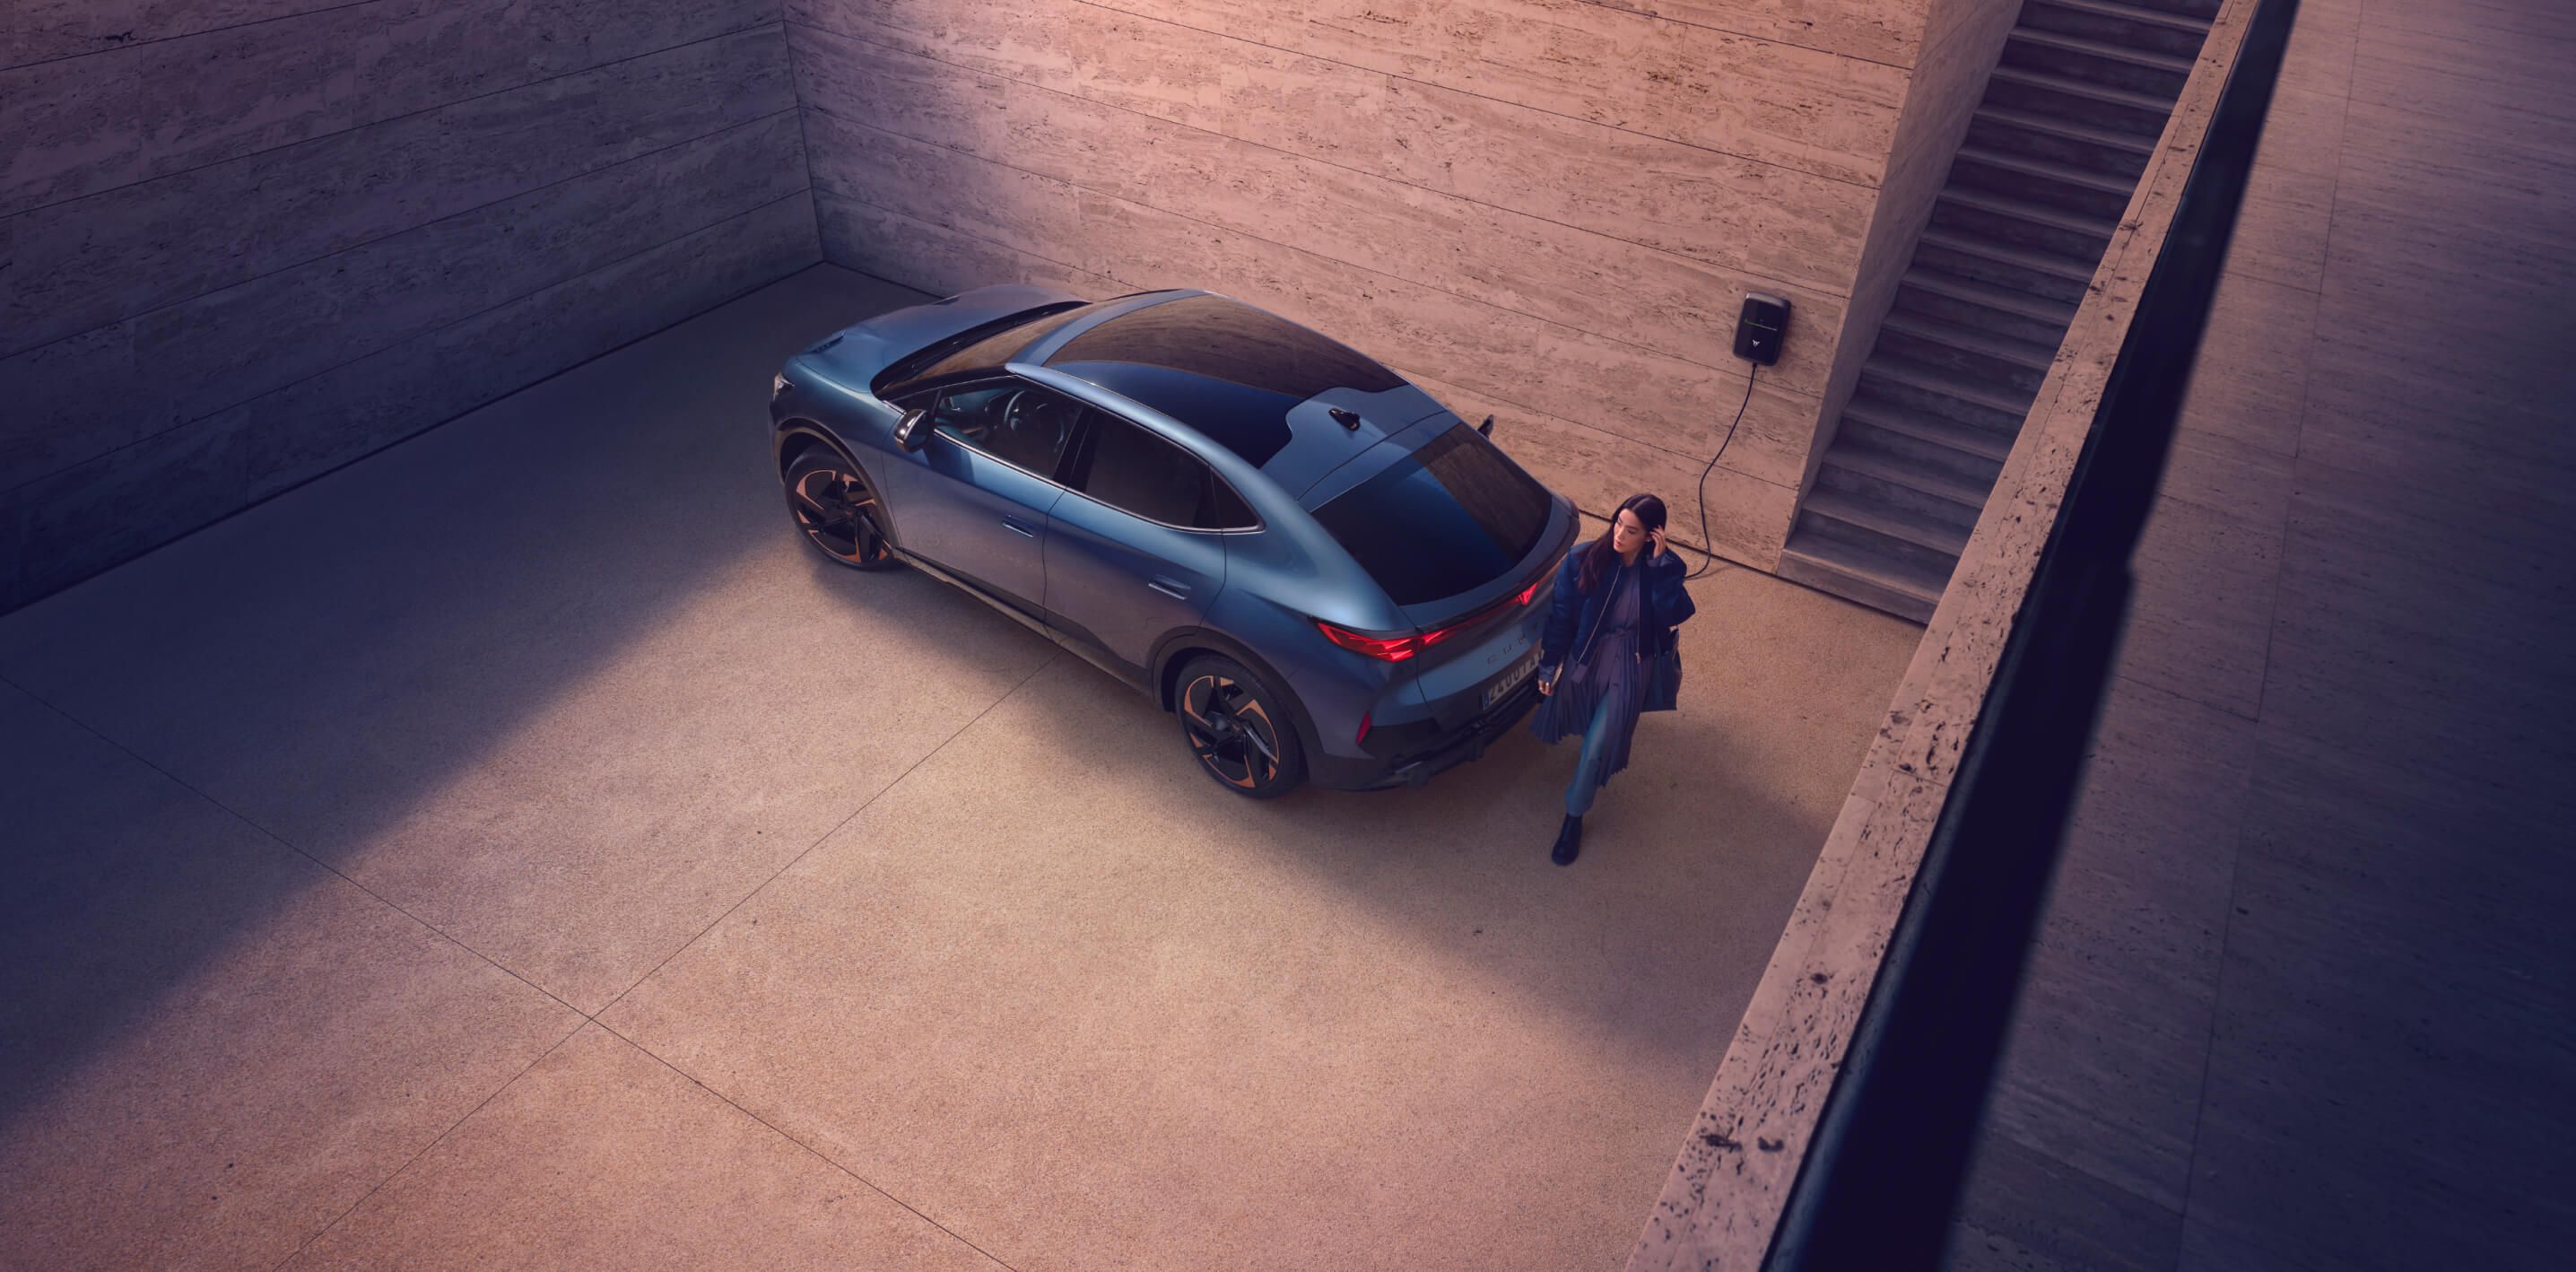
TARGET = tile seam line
(188,35)
(282,842)
(461,320)
(391,235)
(374,123)
(1588,4)
(2094,1177)
(1500,101)
(837,192)
(425,1149)
(2271,642)
(825,191)
(864,805)
(818,1155)
(387,119)
(1843,295)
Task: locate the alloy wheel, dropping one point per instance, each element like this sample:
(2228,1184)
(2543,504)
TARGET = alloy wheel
(839,512)
(1230,731)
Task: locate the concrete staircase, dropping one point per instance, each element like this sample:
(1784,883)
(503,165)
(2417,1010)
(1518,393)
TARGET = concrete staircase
(2048,165)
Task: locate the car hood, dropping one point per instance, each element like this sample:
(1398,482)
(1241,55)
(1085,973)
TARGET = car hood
(855,354)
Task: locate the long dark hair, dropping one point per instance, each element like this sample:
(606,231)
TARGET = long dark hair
(1598,555)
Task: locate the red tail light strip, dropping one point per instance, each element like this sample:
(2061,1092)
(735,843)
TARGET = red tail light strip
(1399,648)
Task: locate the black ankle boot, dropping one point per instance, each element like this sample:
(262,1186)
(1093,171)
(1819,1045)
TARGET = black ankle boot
(1569,841)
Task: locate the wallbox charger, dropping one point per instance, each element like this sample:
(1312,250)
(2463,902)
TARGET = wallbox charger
(1759,330)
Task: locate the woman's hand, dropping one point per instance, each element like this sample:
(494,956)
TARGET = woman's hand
(1546,684)
(1658,536)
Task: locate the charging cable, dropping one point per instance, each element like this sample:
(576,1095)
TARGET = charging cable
(1710,558)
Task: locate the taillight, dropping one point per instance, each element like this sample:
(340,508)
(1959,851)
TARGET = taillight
(1399,648)
(1388,648)
(1364,727)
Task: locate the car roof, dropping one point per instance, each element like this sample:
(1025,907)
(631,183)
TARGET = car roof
(1255,383)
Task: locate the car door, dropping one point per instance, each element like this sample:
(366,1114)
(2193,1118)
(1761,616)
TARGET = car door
(1137,548)
(992,455)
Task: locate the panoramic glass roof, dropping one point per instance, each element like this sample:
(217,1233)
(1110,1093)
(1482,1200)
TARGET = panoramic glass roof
(1220,366)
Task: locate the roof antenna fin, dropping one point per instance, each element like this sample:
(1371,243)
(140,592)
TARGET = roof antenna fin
(1347,417)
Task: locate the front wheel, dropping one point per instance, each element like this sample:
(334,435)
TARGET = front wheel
(839,512)
(1238,729)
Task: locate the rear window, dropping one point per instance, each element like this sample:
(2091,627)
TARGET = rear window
(1452,516)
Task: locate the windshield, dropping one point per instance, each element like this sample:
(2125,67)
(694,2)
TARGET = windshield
(1451,517)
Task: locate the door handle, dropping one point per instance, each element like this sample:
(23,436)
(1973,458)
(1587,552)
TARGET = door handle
(1019,527)
(1172,588)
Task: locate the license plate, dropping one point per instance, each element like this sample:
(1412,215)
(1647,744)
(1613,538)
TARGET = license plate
(1511,679)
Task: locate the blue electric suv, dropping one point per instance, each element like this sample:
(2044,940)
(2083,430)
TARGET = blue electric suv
(1319,570)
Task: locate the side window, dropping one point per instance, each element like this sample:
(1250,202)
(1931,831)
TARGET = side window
(1019,424)
(1134,471)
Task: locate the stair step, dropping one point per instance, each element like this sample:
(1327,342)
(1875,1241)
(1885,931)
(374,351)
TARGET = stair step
(2160,30)
(1938,391)
(2043,181)
(2038,92)
(1956,299)
(1895,471)
(2002,266)
(1839,570)
(1864,482)
(1992,360)
(2097,62)
(1895,554)
(1859,434)
(2098,150)
(1895,523)
(2205,10)
(1984,444)
(2020,223)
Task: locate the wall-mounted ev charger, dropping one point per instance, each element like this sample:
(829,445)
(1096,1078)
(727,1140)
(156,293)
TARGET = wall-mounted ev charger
(1761,327)
(1758,333)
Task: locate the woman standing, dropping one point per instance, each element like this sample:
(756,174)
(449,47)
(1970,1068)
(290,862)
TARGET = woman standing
(1616,606)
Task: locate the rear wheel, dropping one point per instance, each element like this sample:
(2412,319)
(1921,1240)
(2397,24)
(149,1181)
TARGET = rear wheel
(838,510)
(1238,729)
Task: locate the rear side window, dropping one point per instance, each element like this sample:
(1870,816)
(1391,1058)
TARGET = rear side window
(1134,471)
(1453,516)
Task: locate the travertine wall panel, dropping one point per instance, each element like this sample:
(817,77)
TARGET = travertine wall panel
(1962,39)
(1802,108)
(149,109)
(1589,281)
(1870,29)
(1552,206)
(1799,229)
(87,261)
(141,376)
(41,30)
(214,222)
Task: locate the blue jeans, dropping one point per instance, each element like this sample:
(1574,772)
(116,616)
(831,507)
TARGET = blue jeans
(1596,744)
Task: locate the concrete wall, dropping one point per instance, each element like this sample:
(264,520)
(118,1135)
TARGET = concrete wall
(243,242)
(1544,209)
(1962,40)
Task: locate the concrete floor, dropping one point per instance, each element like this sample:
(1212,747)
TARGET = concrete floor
(518,848)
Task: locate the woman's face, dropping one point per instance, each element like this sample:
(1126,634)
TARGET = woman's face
(1628,533)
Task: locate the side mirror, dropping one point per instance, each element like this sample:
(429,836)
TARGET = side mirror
(1486,428)
(907,431)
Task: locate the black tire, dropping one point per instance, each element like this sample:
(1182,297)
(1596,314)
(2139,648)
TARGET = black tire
(1238,729)
(838,510)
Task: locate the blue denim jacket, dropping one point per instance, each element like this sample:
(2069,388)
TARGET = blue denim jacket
(1573,615)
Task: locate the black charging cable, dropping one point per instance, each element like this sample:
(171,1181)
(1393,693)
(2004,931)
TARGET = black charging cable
(1710,558)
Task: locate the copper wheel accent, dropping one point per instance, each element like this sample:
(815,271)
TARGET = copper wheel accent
(839,513)
(1229,731)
